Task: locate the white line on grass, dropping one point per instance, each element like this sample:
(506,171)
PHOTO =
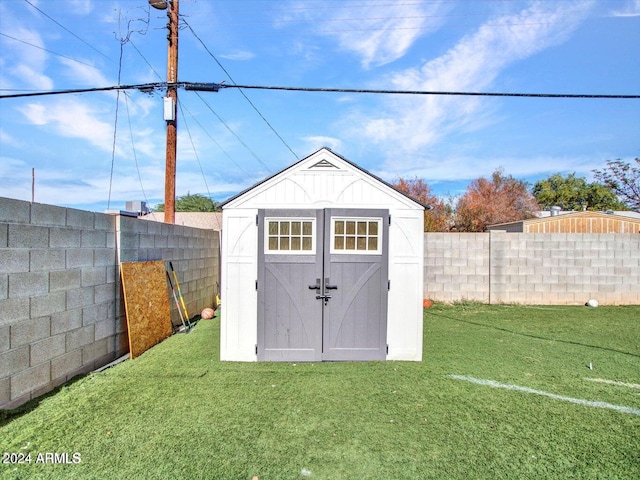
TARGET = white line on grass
(613,382)
(508,386)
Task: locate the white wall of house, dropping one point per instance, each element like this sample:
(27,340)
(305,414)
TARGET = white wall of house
(322,180)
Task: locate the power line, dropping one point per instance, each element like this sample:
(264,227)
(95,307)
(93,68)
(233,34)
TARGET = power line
(133,147)
(195,151)
(141,86)
(214,87)
(208,133)
(45,50)
(234,134)
(69,31)
(430,92)
(243,94)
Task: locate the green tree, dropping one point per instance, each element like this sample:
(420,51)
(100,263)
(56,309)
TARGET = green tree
(623,179)
(192,203)
(575,193)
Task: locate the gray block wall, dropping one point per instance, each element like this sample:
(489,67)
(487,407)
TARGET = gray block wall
(61,307)
(533,268)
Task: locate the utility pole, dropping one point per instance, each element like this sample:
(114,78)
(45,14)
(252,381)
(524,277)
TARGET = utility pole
(172,123)
(171,112)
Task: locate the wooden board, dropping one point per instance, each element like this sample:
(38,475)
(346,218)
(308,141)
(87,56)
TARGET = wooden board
(146,303)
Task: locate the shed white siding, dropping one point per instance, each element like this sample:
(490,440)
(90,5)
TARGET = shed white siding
(322,180)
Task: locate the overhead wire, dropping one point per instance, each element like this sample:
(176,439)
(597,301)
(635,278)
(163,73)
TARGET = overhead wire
(206,131)
(195,151)
(243,94)
(182,106)
(69,31)
(209,87)
(133,147)
(242,142)
(45,49)
(115,129)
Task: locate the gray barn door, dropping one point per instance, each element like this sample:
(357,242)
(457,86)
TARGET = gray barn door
(289,317)
(322,284)
(356,263)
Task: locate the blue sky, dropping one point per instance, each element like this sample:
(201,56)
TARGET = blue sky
(224,145)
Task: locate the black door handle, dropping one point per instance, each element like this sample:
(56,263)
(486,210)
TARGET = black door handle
(317,286)
(329,287)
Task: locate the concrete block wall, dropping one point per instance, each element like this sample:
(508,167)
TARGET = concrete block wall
(57,296)
(193,252)
(565,268)
(533,268)
(61,306)
(456,267)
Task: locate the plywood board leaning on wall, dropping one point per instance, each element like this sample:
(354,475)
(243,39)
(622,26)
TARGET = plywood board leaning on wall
(146,304)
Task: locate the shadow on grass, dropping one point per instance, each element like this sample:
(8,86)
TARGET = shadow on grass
(7,416)
(537,337)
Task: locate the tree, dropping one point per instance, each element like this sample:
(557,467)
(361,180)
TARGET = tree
(192,203)
(501,199)
(624,180)
(438,218)
(574,193)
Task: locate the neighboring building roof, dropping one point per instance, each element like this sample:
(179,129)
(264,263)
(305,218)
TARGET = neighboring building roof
(576,222)
(204,220)
(290,167)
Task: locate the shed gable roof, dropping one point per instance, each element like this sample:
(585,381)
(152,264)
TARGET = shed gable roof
(321,161)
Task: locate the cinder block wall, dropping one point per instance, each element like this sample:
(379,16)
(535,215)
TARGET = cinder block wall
(61,307)
(193,252)
(456,266)
(533,268)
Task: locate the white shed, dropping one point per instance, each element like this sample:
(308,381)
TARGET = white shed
(322,261)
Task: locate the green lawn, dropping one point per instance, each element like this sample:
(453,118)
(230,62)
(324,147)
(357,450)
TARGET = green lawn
(178,412)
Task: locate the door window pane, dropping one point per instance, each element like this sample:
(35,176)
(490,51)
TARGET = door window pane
(289,235)
(356,235)
(351,228)
(307,228)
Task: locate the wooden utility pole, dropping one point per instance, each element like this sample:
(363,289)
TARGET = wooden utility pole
(172,121)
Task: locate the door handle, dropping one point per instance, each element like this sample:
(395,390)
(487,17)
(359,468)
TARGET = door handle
(317,286)
(329,287)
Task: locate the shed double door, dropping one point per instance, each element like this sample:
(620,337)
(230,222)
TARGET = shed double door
(322,285)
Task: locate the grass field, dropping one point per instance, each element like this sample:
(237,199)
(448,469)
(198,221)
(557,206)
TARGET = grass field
(178,412)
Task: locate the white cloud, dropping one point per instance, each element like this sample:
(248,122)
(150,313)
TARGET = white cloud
(79,7)
(72,118)
(409,124)
(9,140)
(317,142)
(462,167)
(34,54)
(239,55)
(377,33)
(32,78)
(84,74)
(631,9)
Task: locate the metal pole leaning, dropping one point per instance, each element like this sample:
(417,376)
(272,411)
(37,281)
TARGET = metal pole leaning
(176,299)
(175,277)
